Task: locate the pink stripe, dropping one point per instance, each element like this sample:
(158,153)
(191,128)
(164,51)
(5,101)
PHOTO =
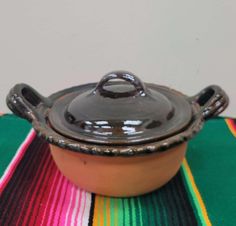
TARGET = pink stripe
(78,217)
(66,204)
(15,161)
(76,207)
(67,211)
(34,189)
(55,196)
(79,205)
(81,224)
(60,203)
(50,193)
(70,209)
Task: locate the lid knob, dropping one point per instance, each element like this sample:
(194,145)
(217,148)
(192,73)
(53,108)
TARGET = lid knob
(140,89)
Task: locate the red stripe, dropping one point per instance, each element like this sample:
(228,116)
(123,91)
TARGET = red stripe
(56,198)
(49,195)
(30,214)
(41,197)
(57,211)
(63,203)
(17,189)
(27,205)
(233,124)
(35,193)
(29,190)
(46,202)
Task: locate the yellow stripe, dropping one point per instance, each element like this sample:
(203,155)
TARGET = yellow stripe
(96,208)
(197,193)
(231,127)
(101,208)
(115,212)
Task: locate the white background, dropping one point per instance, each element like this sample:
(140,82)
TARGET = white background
(184,44)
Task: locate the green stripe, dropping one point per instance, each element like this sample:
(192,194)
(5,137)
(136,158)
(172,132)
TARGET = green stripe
(177,203)
(167,203)
(151,212)
(140,212)
(192,197)
(126,211)
(130,211)
(8,125)
(146,210)
(137,211)
(121,212)
(183,201)
(157,212)
(112,211)
(134,220)
(123,208)
(143,210)
(212,156)
(163,208)
(116,207)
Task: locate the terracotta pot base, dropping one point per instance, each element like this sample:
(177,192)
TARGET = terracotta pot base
(119,176)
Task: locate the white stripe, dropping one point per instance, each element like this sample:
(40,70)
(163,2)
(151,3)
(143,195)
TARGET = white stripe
(75,209)
(78,220)
(71,199)
(85,219)
(19,150)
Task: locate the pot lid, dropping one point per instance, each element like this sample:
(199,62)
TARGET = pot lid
(120,112)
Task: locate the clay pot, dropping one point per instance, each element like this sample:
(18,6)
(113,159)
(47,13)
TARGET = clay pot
(119,176)
(117,138)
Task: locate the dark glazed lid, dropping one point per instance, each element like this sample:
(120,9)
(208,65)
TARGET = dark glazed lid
(120,112)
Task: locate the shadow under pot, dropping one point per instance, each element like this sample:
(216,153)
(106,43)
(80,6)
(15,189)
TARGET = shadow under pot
(118,137)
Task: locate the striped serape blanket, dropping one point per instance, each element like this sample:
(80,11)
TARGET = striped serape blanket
(34,192)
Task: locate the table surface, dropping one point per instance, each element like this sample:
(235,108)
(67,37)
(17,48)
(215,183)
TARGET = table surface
(210,163)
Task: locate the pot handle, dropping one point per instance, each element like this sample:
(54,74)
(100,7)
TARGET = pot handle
(212,101)
(23,101)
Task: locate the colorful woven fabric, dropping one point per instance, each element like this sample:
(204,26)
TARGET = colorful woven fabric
(33,191)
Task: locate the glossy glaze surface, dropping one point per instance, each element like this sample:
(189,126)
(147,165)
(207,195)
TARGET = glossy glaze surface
(90,117)
(120,113)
